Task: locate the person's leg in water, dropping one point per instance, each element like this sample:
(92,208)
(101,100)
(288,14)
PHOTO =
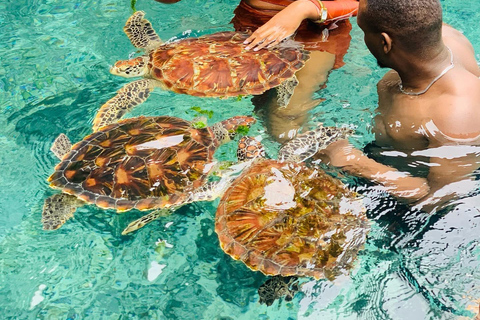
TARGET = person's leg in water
(327,48)
(283,122)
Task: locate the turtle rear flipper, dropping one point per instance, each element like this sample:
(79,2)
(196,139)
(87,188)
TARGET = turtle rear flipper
(61,146)
(57,209)
(128,97)
(140,32)
(140,223)
(207,192)
(285,91)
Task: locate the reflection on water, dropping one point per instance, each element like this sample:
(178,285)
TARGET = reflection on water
(456,168)
(54,76)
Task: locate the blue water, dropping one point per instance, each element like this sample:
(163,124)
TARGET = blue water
(54,76)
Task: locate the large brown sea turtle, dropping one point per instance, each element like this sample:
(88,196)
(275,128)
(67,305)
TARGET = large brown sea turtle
(215,65)
(284,218)
(143,163)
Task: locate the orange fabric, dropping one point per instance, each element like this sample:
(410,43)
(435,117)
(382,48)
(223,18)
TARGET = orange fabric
(340,9)
(337,10)
(310,34)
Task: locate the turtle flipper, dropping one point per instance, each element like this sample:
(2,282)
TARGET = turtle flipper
(214,189)
(307,144)
(128,97)
(140,32)
(249,148)
(57,209)
(300,148)
(140,223)
(61,146)
(285,91)
(207,192)
(210,191)
(277,287)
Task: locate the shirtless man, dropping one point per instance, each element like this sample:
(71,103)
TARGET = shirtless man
(429,104)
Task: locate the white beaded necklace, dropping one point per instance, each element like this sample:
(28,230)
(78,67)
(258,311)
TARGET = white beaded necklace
(433,81)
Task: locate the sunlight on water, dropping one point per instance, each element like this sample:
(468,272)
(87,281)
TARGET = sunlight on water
(53,78)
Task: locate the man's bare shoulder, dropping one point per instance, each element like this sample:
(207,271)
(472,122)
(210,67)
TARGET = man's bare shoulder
(456,113)
(390,80)
(461,48)
(449,32)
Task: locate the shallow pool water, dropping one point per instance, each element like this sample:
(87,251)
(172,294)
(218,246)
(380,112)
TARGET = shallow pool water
(54,75)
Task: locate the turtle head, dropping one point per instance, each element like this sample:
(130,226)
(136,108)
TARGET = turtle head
(227,130)
(131,68)
(249,148)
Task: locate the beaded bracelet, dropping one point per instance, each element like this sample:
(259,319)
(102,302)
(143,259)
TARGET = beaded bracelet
(322,11)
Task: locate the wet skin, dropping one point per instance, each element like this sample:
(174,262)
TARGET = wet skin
(284,122)
(444,117)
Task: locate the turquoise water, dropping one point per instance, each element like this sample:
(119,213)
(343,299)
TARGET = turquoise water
(53,77)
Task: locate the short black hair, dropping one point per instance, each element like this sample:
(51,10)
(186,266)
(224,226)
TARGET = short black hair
(417,24)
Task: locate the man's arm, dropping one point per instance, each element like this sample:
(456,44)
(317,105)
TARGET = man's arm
(343,155)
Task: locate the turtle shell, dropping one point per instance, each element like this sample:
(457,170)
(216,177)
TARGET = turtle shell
(142,163)
(287,219)
(218,65)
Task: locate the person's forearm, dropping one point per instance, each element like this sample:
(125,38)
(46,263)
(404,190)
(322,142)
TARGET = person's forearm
(357,163)
(343,155)
(307,9)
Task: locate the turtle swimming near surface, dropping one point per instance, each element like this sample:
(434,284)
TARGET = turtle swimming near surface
(215,65)
(284,218)
(142,163)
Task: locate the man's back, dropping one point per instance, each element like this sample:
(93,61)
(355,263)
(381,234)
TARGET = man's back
(447,113)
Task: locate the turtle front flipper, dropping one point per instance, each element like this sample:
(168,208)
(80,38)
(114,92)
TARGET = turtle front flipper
(146,219)
(285,91)
(140,32)
(211,190)
(61,146)
(307,144)
(128,97)
(57,209)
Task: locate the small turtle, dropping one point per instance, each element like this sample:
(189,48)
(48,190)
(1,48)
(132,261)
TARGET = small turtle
(284,218)
(215,65)
(143,163)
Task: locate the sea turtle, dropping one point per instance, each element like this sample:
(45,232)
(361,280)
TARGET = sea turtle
(286,218)
(215,65)
(143,163)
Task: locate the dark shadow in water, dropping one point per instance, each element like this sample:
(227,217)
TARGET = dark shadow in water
(430,245)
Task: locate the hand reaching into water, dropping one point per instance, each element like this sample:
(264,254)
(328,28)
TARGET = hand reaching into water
(402,185)
(406,187)
(282,25)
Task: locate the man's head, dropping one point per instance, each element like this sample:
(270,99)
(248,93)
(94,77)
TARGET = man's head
(413,26)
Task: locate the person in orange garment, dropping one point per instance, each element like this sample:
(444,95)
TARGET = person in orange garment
(428,109)
(321,26)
